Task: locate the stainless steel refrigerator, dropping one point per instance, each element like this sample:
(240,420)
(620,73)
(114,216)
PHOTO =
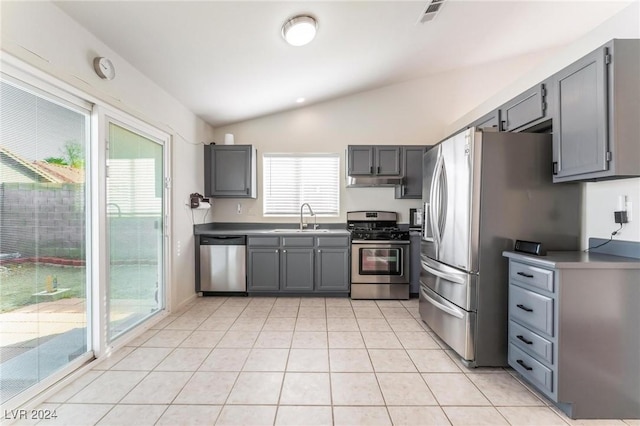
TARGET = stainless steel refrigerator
(483,190)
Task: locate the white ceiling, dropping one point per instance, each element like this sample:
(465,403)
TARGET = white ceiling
(227,62)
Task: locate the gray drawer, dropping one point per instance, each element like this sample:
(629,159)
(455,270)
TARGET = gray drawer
(530,342)
(531,309)
(297,241)
(341,241)
(263,241)
(530,369)
(531,275)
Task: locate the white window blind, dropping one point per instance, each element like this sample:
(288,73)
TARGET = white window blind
(293,179)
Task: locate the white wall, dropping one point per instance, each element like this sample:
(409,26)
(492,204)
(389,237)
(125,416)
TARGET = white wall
(41,35)
(415,112)
(601,198)
(424,111)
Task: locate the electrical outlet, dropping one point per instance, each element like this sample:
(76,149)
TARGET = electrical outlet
(628,210)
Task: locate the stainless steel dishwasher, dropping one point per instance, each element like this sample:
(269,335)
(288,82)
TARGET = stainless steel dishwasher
(223,264)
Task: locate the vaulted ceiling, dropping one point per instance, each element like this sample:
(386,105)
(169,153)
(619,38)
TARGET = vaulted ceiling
(227,62)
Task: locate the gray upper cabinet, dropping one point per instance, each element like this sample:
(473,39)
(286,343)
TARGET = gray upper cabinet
(489,120)
(595,120)
(373,160)
(230,171)
(360,160)
(525,110)
(411,187)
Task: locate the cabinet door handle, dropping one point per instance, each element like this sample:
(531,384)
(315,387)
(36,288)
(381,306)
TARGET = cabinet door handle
(525,366)
(277,250)
(528,342)
(524,308)
(248,189)
(319,251)
(284,251)
(555,167)
(522,274)
(378,171)
(371,169)
(403,190)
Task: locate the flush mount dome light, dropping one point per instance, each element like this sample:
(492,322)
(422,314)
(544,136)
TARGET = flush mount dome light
(299,30)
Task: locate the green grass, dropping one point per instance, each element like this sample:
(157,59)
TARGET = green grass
(18,282)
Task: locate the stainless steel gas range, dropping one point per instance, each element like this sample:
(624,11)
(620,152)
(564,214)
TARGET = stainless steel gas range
(379,256)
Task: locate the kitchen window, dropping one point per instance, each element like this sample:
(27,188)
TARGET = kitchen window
(293,179)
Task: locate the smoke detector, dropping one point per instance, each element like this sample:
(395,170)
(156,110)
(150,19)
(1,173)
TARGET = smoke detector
(430,12)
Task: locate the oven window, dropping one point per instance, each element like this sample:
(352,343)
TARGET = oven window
(379,261)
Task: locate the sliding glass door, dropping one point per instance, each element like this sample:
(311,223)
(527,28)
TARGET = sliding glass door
(83,230)
(44,236)
(135,226)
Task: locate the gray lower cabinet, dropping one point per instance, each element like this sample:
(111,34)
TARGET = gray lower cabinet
(298,264)
(573,333)
(230,171)
(297,269)
(411,187)
(332,269)
(415,238)
(595,122)
(263,269)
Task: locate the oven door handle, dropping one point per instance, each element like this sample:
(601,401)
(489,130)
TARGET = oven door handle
(449,277)
(442,306)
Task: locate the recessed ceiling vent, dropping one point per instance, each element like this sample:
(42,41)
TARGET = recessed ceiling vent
(431,11)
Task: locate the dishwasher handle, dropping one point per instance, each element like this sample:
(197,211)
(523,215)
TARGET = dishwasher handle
(224,240)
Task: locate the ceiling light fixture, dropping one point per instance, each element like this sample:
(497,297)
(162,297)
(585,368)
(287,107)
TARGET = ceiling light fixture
(299,30)
(300,100)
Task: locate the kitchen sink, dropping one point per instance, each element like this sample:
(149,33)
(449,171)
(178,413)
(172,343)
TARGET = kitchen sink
(299,230)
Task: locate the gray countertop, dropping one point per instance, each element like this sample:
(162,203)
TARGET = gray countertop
(576,260)
(213,229)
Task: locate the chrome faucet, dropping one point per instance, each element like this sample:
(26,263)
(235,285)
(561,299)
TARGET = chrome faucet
(304,225)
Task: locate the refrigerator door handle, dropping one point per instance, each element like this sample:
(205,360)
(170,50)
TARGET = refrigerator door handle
(449,310)
(443,200)
(449,277)
(436,201)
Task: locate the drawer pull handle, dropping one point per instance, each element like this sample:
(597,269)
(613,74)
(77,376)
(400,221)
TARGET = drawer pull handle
(522,274)
(525,366)
(521,337)
(524,308)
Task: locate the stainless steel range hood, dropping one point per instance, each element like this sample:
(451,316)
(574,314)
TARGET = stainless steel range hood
(373,181)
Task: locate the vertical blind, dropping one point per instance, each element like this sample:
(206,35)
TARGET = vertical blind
(293,179)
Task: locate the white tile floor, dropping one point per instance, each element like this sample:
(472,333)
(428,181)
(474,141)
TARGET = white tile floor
(293,361)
